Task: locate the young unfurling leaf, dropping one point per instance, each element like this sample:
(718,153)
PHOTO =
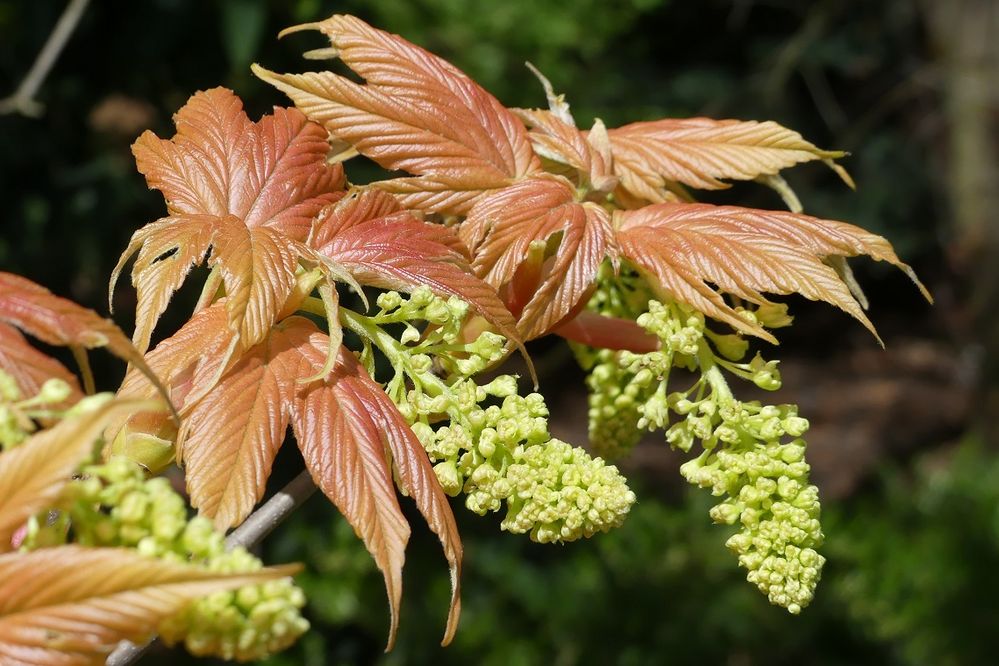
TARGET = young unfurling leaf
(698,152)
(58,321)
(248,191)
(508,232)
(417,113)
(746,253)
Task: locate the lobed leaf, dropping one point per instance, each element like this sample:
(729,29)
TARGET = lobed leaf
(353,438)
(71,605)
(190,361)
(168,249)
(33,474)
(698,152)
(509,230)
(249,191)
(688,248)
(397,251)
(258,267)
(416,113)
(231,435)
(270,173)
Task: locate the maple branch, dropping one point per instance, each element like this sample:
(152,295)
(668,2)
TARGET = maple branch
(258,525)
(262,521)
(23,100)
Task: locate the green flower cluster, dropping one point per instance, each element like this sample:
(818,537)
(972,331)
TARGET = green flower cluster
(114,504)
(627,390)
(17,413)
(767,493)
(441,340)
(613,405)
(504,454)
(494,453)
(613,398)
(746,457)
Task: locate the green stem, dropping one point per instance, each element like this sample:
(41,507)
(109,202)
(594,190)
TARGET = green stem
(712,372)
(313,305)
(83,362)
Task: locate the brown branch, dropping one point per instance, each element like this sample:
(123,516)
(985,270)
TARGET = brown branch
(23,100)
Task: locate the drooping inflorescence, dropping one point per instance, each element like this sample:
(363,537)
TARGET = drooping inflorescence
(497,454)
(115,505)
(613,398)
(752,454)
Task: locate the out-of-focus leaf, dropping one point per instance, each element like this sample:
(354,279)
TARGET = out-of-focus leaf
(58,321)
(30,367)
(70,605)
(243,24)
(33,474)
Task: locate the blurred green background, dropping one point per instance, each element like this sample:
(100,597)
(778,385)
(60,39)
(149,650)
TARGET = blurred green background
(903,440)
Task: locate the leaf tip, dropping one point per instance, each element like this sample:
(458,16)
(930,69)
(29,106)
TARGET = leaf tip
(843,174)
(455,611)
(302,27)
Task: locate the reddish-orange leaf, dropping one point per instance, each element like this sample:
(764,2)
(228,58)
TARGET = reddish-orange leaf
(688,248)
(359,205)
(700,151)
(345,454)
(398,251)
(57,321)
(269,173)
(168,249)
(247,190)
(69,605)
(190,361)
(417,113)
(231,435)
(562,145)
(33,474)
(353,437)
(258,269)
(30,367)
(416,477)
(512,227)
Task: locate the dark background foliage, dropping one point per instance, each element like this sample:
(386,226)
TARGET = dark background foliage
(902,439)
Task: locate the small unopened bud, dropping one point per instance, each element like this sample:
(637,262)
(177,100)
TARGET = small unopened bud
(9,390)
(54,391)
(390,300)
